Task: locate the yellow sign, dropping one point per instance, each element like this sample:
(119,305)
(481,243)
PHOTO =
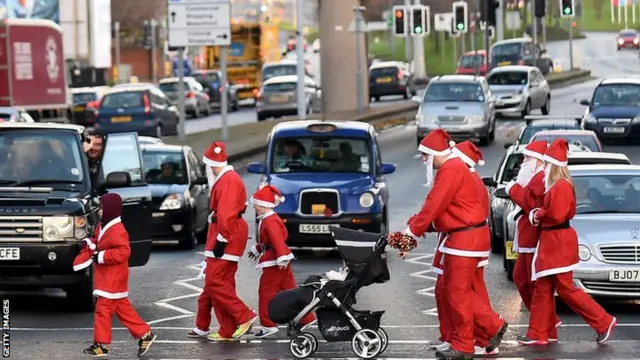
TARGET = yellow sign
(384,80)
(318,209)
(78,108)
(120,119)
(509,253)
(504,63)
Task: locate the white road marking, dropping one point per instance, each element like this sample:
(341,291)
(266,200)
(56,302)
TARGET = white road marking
(168,319)
(424,260)
(165,303)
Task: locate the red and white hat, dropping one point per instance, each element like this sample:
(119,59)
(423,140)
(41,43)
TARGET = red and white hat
(215,155)
(436,143)
(83,259)
(469,153)
(536,149)
(267,196)
(557,153)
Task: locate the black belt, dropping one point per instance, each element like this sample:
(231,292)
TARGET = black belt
(564,225)
(518,214)
(467,228)
(214,220)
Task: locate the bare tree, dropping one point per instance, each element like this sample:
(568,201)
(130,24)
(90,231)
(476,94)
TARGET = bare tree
(132,14)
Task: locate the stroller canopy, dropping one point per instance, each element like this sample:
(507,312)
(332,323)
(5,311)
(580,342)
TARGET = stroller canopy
(362,252)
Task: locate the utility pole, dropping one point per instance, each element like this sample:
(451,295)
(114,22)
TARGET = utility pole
(224,96)
(181,104)
(116,30)
(418,50)
(301,96)
(154,60)
(358,10)
(535,30)
(500,20)
(407,43)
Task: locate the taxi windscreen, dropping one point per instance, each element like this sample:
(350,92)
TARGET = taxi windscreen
(321,154)
(164,167)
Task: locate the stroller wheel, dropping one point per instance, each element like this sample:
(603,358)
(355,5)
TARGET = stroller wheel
(384,338)
(303,345)
(367,344)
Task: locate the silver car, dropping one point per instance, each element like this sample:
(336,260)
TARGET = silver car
(462,105)
(278,97)
(519,89)
(196,101)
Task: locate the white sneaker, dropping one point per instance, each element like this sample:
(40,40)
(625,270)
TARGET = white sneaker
(444,346)
(434,344)
(483,351)
(266,332)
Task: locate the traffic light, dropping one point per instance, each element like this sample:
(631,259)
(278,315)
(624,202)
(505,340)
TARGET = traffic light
(539,8)
(417,20)
(567,8)
(460,17)
(400,20)
(146,34)
(488,11)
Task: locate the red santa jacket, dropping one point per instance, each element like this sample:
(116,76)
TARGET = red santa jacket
(455,205)
(527,198)
(228,203)
(272,248)
(557,250)
(111,272)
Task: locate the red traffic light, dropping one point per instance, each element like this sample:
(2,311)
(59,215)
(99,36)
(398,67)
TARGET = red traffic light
(399,13)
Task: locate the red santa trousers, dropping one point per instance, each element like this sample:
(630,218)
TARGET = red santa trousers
(272,281)
(219,293)
(105,308)
(466,307)
(542,309)
(522,279)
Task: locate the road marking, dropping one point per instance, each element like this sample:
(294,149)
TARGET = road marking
(165,303)
(168,319)
(430,290)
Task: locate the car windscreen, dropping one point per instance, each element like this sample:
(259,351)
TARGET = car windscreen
(454,92)
(530,131)
(128,99)
(84,98)
(171,87)
(41,158)
(512,167)
(512,49)
(607,193)
(616,95)
(383,71)
(579,140)
(164,167)
(508,78)
(628,33)
(5,117)
(467,61)
(278,70)
(280,87)
(321,154)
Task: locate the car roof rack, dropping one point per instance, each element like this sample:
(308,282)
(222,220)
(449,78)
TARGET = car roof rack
(530,118)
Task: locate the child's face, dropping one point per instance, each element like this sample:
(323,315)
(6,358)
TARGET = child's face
(261,209)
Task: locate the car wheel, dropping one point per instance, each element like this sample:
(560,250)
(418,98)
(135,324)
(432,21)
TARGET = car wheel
(207,109)
(159,131)
(81,294)
(527,109)
(492,134)
(376,98)
(546,108)
(418,139)
(236,105)
(196,113)
(190,239)
(261,117)
(497,245)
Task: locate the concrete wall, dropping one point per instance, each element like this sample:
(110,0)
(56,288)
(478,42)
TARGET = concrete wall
(338,56)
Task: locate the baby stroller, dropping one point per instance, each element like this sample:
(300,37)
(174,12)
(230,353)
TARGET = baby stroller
(365,259)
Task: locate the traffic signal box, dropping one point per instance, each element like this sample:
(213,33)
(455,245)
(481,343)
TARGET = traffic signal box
(399,20)
(567,8)
(417,21)
(488,11)
(460,17)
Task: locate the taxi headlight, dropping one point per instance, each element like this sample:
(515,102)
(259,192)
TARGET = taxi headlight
(475,118)
(584,253)
(57,228)
(172,202)
(636,120)
(590,119)
(366,200)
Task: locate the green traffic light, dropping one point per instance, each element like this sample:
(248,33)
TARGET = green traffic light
(567,10)
(460,26)
(418,30)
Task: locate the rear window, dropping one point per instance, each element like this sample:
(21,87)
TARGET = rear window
(83,98)
(512,49)
(468,61)
(279,70)
(171,86)
(282,87)
(385,71)
(530,131)
(508,78)
(123,100)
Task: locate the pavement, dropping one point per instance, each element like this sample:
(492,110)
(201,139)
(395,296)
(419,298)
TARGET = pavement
(164,292)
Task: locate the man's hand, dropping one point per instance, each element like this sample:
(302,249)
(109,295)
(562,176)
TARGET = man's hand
(251,256)
(94,256)
(218,250)
(89,145)
(402,255)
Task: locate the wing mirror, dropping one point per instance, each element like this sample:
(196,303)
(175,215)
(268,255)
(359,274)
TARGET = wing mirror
(416,99)
(584,102)
(501,193)
(387,169)
(202,180)
(118,179)
(488,181)
(507,145)
(256,168)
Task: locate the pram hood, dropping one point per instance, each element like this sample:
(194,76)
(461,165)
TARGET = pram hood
(362,252)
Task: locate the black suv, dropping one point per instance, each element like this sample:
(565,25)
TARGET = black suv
(48,205)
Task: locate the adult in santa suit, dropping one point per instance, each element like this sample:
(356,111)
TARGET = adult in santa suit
(527,193)
(226,240)
(556,255)
(455,207)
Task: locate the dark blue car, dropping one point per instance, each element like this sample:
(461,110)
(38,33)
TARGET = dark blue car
(614,110)
(330,173)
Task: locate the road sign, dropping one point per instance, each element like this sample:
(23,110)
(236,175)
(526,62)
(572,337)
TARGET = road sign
(442,22)
(199,23)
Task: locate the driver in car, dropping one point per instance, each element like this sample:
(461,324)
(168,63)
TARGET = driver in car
(584,197)
(168,173)
(293,153)
(631,199)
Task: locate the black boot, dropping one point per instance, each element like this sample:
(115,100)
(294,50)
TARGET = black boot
(495,341)
(451,354)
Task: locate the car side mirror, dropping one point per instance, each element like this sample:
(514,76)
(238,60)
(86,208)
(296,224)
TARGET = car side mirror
(118,179)
(202,180)
(387,169)
(416,99)
(507,145)
(501,193)
(585,102)
(256,168)
(488,181)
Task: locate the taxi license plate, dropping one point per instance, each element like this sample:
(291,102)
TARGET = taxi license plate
(624,276)
(279,98)
(614,130)
(504,63)
(9,254)
(509,253)
(78,108)
(383,80)
(120,119)
(158,214)
(315,228)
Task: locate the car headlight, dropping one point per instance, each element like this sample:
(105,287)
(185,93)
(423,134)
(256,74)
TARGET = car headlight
(366,200)
(636,119)
(172,202)
(424,120)
(590,119)
(635,41)
(517,93)
(57,228)
(620,41)
(475,118)
(584,253)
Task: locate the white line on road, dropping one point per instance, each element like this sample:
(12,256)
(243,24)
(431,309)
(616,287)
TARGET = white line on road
(422,259)
(168,319)
(165,303)
(174,308)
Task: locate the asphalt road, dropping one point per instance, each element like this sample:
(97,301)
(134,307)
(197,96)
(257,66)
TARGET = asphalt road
(164,292)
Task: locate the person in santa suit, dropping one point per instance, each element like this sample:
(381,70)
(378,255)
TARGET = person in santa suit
(455,206)
(273,256)
(527,193)
(556,255)
(226,240)
(109,252)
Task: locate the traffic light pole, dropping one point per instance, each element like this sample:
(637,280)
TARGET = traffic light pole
(570,43)
(407,43)
(154,59)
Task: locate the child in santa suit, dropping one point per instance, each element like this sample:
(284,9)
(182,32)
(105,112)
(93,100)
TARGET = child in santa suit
(109,252)
(273,257)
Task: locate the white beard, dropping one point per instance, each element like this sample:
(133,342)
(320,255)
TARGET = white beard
(210,177)
(429,167)
(527,172)
(547,170)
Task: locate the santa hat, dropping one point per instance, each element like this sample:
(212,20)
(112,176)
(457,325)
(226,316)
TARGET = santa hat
(267,196)
(469,153)
(536,149)
(84,260)
(436,143)
(557,153)
(215,155)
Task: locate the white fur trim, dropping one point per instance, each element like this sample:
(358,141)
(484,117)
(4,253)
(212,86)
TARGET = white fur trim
(472,169)
(407,231)
(108,226)
(426,150)
(266,264)
(526,250)
(221,238)
(465,253)
(452,143)
(101,257)
(212,163)
(532,215)
(110,295)
(509,186)
(467,160)
(554,271)
(90,244)
(284,259)
(217,150)
(84,265)
(533,154)
(481,162)
(483,263)
(235,258)
(209,254)
(437,270)
(553,161)
(254,251)
(200,332)
(262,203)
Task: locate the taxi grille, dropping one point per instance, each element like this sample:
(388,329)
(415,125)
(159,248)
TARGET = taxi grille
(620,254)
(451,119)
(615,287)
(311,200)
(20,229)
